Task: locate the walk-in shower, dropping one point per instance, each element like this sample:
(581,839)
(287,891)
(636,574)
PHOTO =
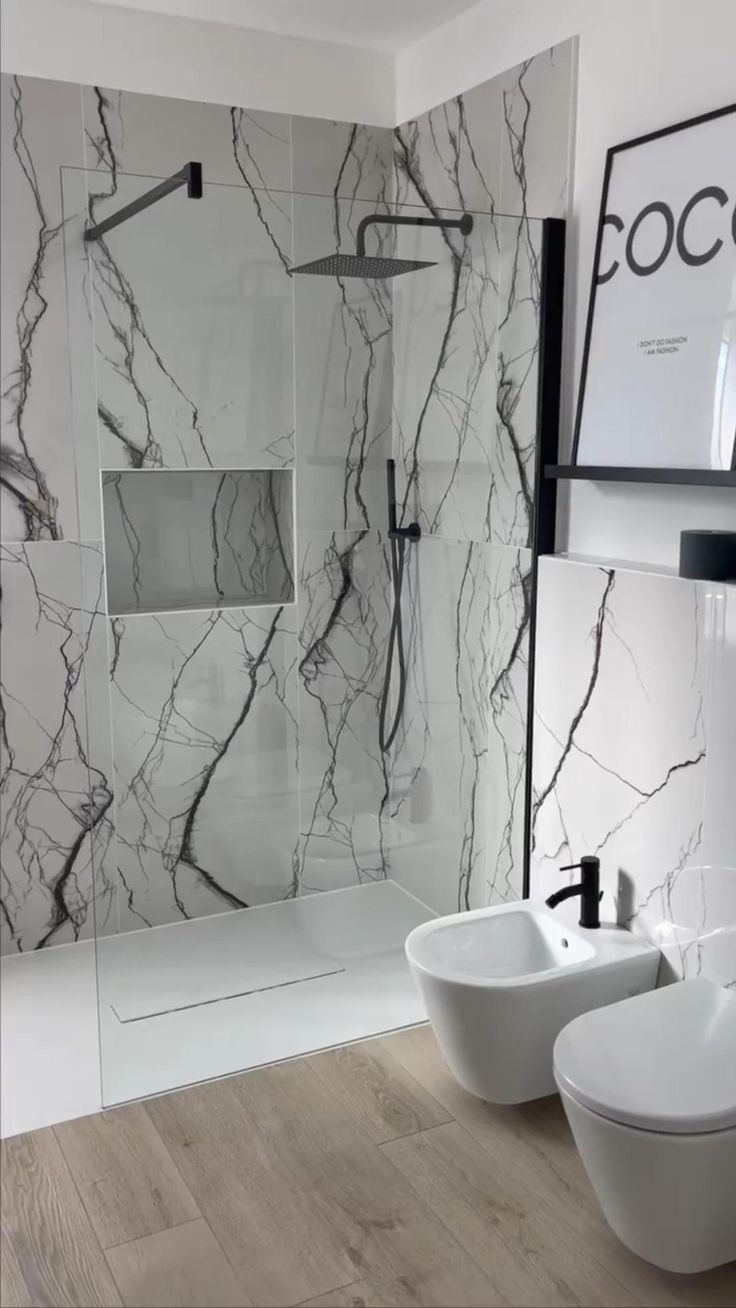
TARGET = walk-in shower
(275,684)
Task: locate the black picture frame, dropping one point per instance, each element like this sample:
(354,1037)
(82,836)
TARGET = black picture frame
(575,470)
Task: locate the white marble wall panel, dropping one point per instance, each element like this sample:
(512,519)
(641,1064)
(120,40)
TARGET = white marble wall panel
(41,449)
(501,148)
(466,336)
(344,374)
(450,157)
(198,539)
(445,361)
(632,683)
(195,371)
(343,780)
(193,330)
(181,347)
(458,768)
(538,106)
(720,812)
(514,447)
(465,438)
(510,598)
(204,730)
(56,793)
(155,135)
(342,159)
(222,353)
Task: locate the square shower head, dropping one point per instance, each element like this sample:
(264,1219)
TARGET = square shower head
(361,265)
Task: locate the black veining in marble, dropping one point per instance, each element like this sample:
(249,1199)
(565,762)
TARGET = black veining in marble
(180,839)
(343,619)
(56,798)
(21,475)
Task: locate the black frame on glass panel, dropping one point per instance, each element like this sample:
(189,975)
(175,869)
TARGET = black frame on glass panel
(544,520)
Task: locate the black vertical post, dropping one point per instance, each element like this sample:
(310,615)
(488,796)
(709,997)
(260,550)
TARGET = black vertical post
(544,523)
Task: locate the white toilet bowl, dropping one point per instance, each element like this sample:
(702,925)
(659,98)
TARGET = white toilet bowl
(649,1088)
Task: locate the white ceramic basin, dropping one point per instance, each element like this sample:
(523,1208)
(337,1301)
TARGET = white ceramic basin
(500,983)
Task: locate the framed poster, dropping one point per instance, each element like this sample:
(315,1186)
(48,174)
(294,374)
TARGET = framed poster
(658,382)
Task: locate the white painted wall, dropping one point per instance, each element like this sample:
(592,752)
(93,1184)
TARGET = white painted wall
(130,50)
(643,64)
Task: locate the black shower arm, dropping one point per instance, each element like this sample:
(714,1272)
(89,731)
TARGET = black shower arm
(465,225)
(190,176)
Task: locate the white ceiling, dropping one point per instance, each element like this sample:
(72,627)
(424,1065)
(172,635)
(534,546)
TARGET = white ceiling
(386,25)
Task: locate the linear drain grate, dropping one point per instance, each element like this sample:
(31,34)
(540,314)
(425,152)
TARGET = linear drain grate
(220,999)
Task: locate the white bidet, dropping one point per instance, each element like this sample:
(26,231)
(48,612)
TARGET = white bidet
(500,983)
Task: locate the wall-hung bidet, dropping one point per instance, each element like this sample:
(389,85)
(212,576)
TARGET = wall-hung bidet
(649,1088)
(499,985)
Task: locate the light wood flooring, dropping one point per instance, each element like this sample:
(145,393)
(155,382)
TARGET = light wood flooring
(361,1176)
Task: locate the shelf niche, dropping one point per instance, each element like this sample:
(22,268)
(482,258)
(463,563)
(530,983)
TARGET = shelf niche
(197,539)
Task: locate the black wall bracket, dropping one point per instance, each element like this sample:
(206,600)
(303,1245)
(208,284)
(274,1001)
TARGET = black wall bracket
(190,176)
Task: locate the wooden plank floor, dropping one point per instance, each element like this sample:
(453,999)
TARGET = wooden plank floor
(361,1176)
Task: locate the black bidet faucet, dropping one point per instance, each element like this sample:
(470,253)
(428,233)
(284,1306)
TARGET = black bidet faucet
(588,888)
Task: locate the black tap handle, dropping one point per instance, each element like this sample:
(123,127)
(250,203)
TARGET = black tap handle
(585,861)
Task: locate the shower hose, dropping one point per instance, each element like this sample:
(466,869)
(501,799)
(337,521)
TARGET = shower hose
(398,537)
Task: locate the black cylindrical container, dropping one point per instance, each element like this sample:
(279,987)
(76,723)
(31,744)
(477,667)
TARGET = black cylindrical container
(708,555)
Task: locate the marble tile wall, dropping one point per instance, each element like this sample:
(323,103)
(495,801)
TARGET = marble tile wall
(41,126)
(190,351)
(56,784)
(465,367)
(635,753)
(344,830)
(231,754)
(194,352)
(204,725)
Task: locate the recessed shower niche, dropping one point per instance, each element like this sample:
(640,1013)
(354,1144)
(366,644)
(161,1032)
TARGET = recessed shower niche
(197,539)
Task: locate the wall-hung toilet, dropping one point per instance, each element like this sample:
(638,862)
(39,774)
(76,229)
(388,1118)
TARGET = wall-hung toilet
(649,1088)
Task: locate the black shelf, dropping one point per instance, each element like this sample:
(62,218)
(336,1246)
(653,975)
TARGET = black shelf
(662,476)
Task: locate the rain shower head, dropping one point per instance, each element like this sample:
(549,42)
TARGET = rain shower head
(361,265)
(378,267)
